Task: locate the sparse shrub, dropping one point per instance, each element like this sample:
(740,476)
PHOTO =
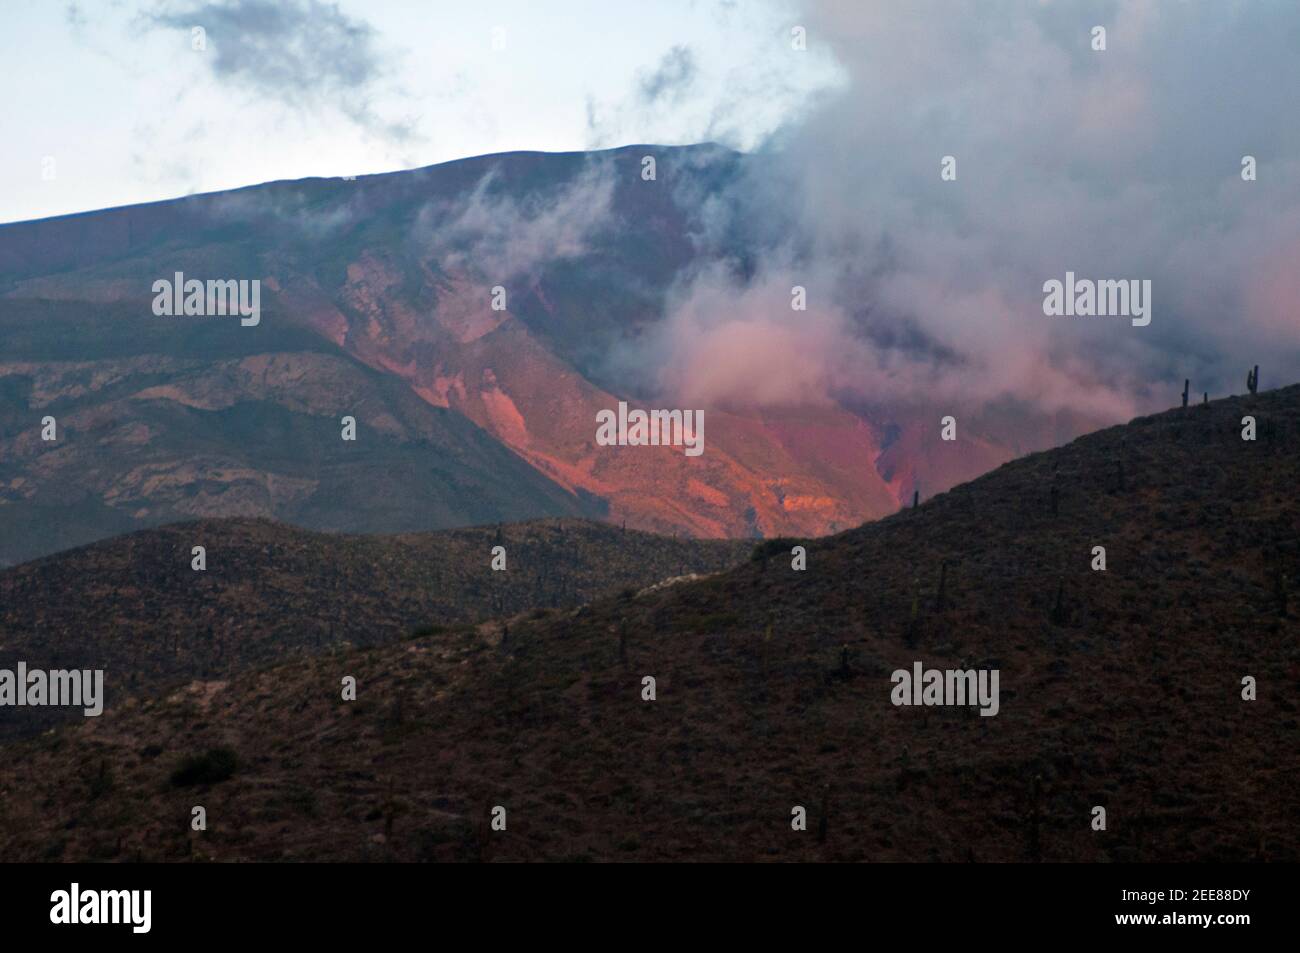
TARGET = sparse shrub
(211,767)
(303,799)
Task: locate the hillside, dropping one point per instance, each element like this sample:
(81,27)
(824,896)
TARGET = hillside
(133,605)
(1119,689)
(160,424)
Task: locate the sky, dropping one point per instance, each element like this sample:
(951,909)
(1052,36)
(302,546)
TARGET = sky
(117,95)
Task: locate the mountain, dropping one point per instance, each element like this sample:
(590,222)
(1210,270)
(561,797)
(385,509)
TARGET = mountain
(183,426)
(135,606)
(1120,688)
(379,301)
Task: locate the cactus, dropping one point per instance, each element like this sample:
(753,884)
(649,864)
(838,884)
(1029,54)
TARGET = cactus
(1119,473)
(916,498)
(102,782)
(1056,499)
(913,620)
(1058,610)
(622,640)
(1252,380)
(943,580)
(390,811)
(1186,386)
(822,822)
(1035,818)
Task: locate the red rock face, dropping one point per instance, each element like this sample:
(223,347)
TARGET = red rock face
(801,471)
(755,475)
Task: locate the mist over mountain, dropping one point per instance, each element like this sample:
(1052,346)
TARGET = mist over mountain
(379,301)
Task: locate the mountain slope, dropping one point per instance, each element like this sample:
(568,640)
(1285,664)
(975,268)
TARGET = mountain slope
(381,291)
(160,424)
(1125,691)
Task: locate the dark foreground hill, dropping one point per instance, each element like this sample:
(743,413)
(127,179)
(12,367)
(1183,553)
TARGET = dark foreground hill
(1120,689)
(135,606)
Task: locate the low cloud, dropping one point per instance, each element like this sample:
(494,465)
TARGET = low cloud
(500,236)
(303,53)
(670,80)
(1121,164)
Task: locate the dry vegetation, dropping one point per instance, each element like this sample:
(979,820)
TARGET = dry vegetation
(134,607)
(1126,693)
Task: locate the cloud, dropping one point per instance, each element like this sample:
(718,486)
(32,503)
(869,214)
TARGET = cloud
(500,235)
(1117,164)
(298,213)
(670,80)
(734,84)
(306,54)
(730,342)
(74,17)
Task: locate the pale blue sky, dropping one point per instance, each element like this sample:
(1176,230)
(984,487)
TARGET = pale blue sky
(114,92)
